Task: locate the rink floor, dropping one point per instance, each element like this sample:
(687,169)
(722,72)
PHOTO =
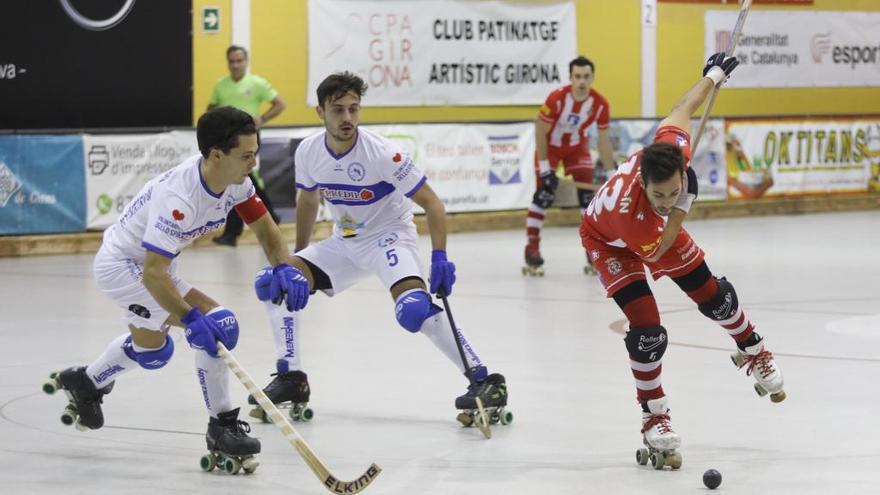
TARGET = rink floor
(382,395)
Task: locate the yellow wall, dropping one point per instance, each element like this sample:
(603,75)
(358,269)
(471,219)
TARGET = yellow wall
(209,52)
(680,58)
(609,32)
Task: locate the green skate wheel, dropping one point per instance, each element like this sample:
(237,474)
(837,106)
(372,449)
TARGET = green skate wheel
(737,359)
(760,390)
(208,462)
(642,456)
(674,460)
(231,465)
(306,414)
(68,417)
(506,417)
(249,465)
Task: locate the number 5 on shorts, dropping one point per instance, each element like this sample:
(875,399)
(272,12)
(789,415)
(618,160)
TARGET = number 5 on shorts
(392,257)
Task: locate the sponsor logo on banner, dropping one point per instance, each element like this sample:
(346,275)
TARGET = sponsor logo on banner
(504,156)
(820,46)
(9,184)
(97,24)
(799,48)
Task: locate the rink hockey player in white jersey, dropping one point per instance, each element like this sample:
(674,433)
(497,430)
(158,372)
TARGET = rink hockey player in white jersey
(136,265)
(368,184)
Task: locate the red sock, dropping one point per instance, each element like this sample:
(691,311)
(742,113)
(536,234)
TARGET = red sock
(738,327)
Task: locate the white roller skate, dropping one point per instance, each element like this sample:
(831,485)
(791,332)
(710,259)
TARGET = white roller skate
(659,438)
(759,363)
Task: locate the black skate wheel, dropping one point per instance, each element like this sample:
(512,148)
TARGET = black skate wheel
(306,414)
(70,414)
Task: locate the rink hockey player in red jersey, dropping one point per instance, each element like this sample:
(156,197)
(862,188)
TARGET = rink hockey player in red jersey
(621,231)
(561,136)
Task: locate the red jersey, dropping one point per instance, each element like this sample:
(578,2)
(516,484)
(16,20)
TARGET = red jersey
(570,119)
(620,214)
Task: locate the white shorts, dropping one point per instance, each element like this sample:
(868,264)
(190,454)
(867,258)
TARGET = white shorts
(392,254)
(122,281)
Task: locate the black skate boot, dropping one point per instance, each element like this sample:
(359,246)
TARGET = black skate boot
(84,409)
(229,446)
(287,389)
(534,261)
(492,392)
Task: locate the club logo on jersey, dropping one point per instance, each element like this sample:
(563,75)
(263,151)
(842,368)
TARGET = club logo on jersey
(356,172)
(614,266)
(178,215)
(388,240)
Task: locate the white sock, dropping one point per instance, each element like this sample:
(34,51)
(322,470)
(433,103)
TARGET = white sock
(213,375)
(112,364)
(284,325)
(439,331)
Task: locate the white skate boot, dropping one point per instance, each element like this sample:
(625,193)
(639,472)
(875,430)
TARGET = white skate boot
(760,364)
(659,438)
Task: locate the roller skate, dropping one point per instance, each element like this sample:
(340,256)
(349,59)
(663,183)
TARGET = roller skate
(84,409)
(534,262)
(659,438)
(229,446)
(488,394)
(289,389)
(759,363)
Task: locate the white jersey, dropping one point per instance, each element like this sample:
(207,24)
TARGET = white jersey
(170,212)
(365,188)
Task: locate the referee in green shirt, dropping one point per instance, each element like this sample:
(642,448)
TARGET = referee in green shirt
(246,92)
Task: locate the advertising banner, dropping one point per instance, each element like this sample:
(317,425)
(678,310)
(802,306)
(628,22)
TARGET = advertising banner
(777,158)
(41,185)
(116,167)
(85,64)
(799,49)
(442,52)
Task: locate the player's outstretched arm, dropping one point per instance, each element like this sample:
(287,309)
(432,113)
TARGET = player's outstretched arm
(435,213)
(270,238)
(306,213)
(717,68)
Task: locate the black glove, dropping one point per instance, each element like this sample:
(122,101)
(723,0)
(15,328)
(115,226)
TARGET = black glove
(723,62)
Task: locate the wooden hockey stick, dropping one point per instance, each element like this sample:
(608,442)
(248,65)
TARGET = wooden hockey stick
(731,46)
(331,483)
(483,418)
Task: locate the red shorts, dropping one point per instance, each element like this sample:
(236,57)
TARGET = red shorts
(618,267)
(576,162)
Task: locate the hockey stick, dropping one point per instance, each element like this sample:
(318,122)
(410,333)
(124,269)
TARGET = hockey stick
(731,46)
(483,418)
(330,482)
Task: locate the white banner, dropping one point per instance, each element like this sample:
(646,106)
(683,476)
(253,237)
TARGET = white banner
(118,166)
(802,157)
(785,49)
(471,167)
(443,52)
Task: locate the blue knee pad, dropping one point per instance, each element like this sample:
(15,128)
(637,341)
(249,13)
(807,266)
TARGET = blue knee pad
(228,324)
(262,283)
(150,360)
(413,308)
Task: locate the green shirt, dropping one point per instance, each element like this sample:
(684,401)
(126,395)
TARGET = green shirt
(246,94)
